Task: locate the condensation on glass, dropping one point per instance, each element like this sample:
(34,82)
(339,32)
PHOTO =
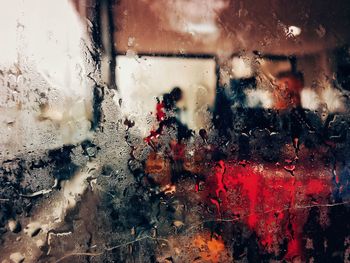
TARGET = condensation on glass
(174,131)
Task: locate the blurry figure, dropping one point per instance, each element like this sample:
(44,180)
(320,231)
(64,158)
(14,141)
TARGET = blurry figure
(168,115)
(239,88)
(223,115)
(287,92)
(288,100)
(170,99)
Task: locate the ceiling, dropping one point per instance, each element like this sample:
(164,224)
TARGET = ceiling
(228,26)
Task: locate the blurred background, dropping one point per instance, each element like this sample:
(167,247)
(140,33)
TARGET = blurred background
(88,173)
(242,47)
(144,48)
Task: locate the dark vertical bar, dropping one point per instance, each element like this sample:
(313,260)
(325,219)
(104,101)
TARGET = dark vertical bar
(98,92)
(107,39)
(113,55)
(293,62)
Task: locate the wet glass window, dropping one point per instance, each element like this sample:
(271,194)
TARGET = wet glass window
(206,131)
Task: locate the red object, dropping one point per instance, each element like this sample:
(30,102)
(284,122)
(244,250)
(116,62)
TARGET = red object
(160,114)
(287,92)
(270,205)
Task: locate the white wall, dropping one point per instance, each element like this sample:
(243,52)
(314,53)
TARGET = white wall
(42,61)
(140,80)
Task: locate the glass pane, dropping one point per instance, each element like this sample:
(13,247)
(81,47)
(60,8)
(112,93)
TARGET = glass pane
(174,131)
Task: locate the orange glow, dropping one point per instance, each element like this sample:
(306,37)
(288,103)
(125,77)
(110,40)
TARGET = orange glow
(210,249)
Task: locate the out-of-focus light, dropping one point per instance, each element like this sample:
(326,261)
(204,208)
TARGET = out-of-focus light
(293,31)
(202,28)
(241,67)
(190,16)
